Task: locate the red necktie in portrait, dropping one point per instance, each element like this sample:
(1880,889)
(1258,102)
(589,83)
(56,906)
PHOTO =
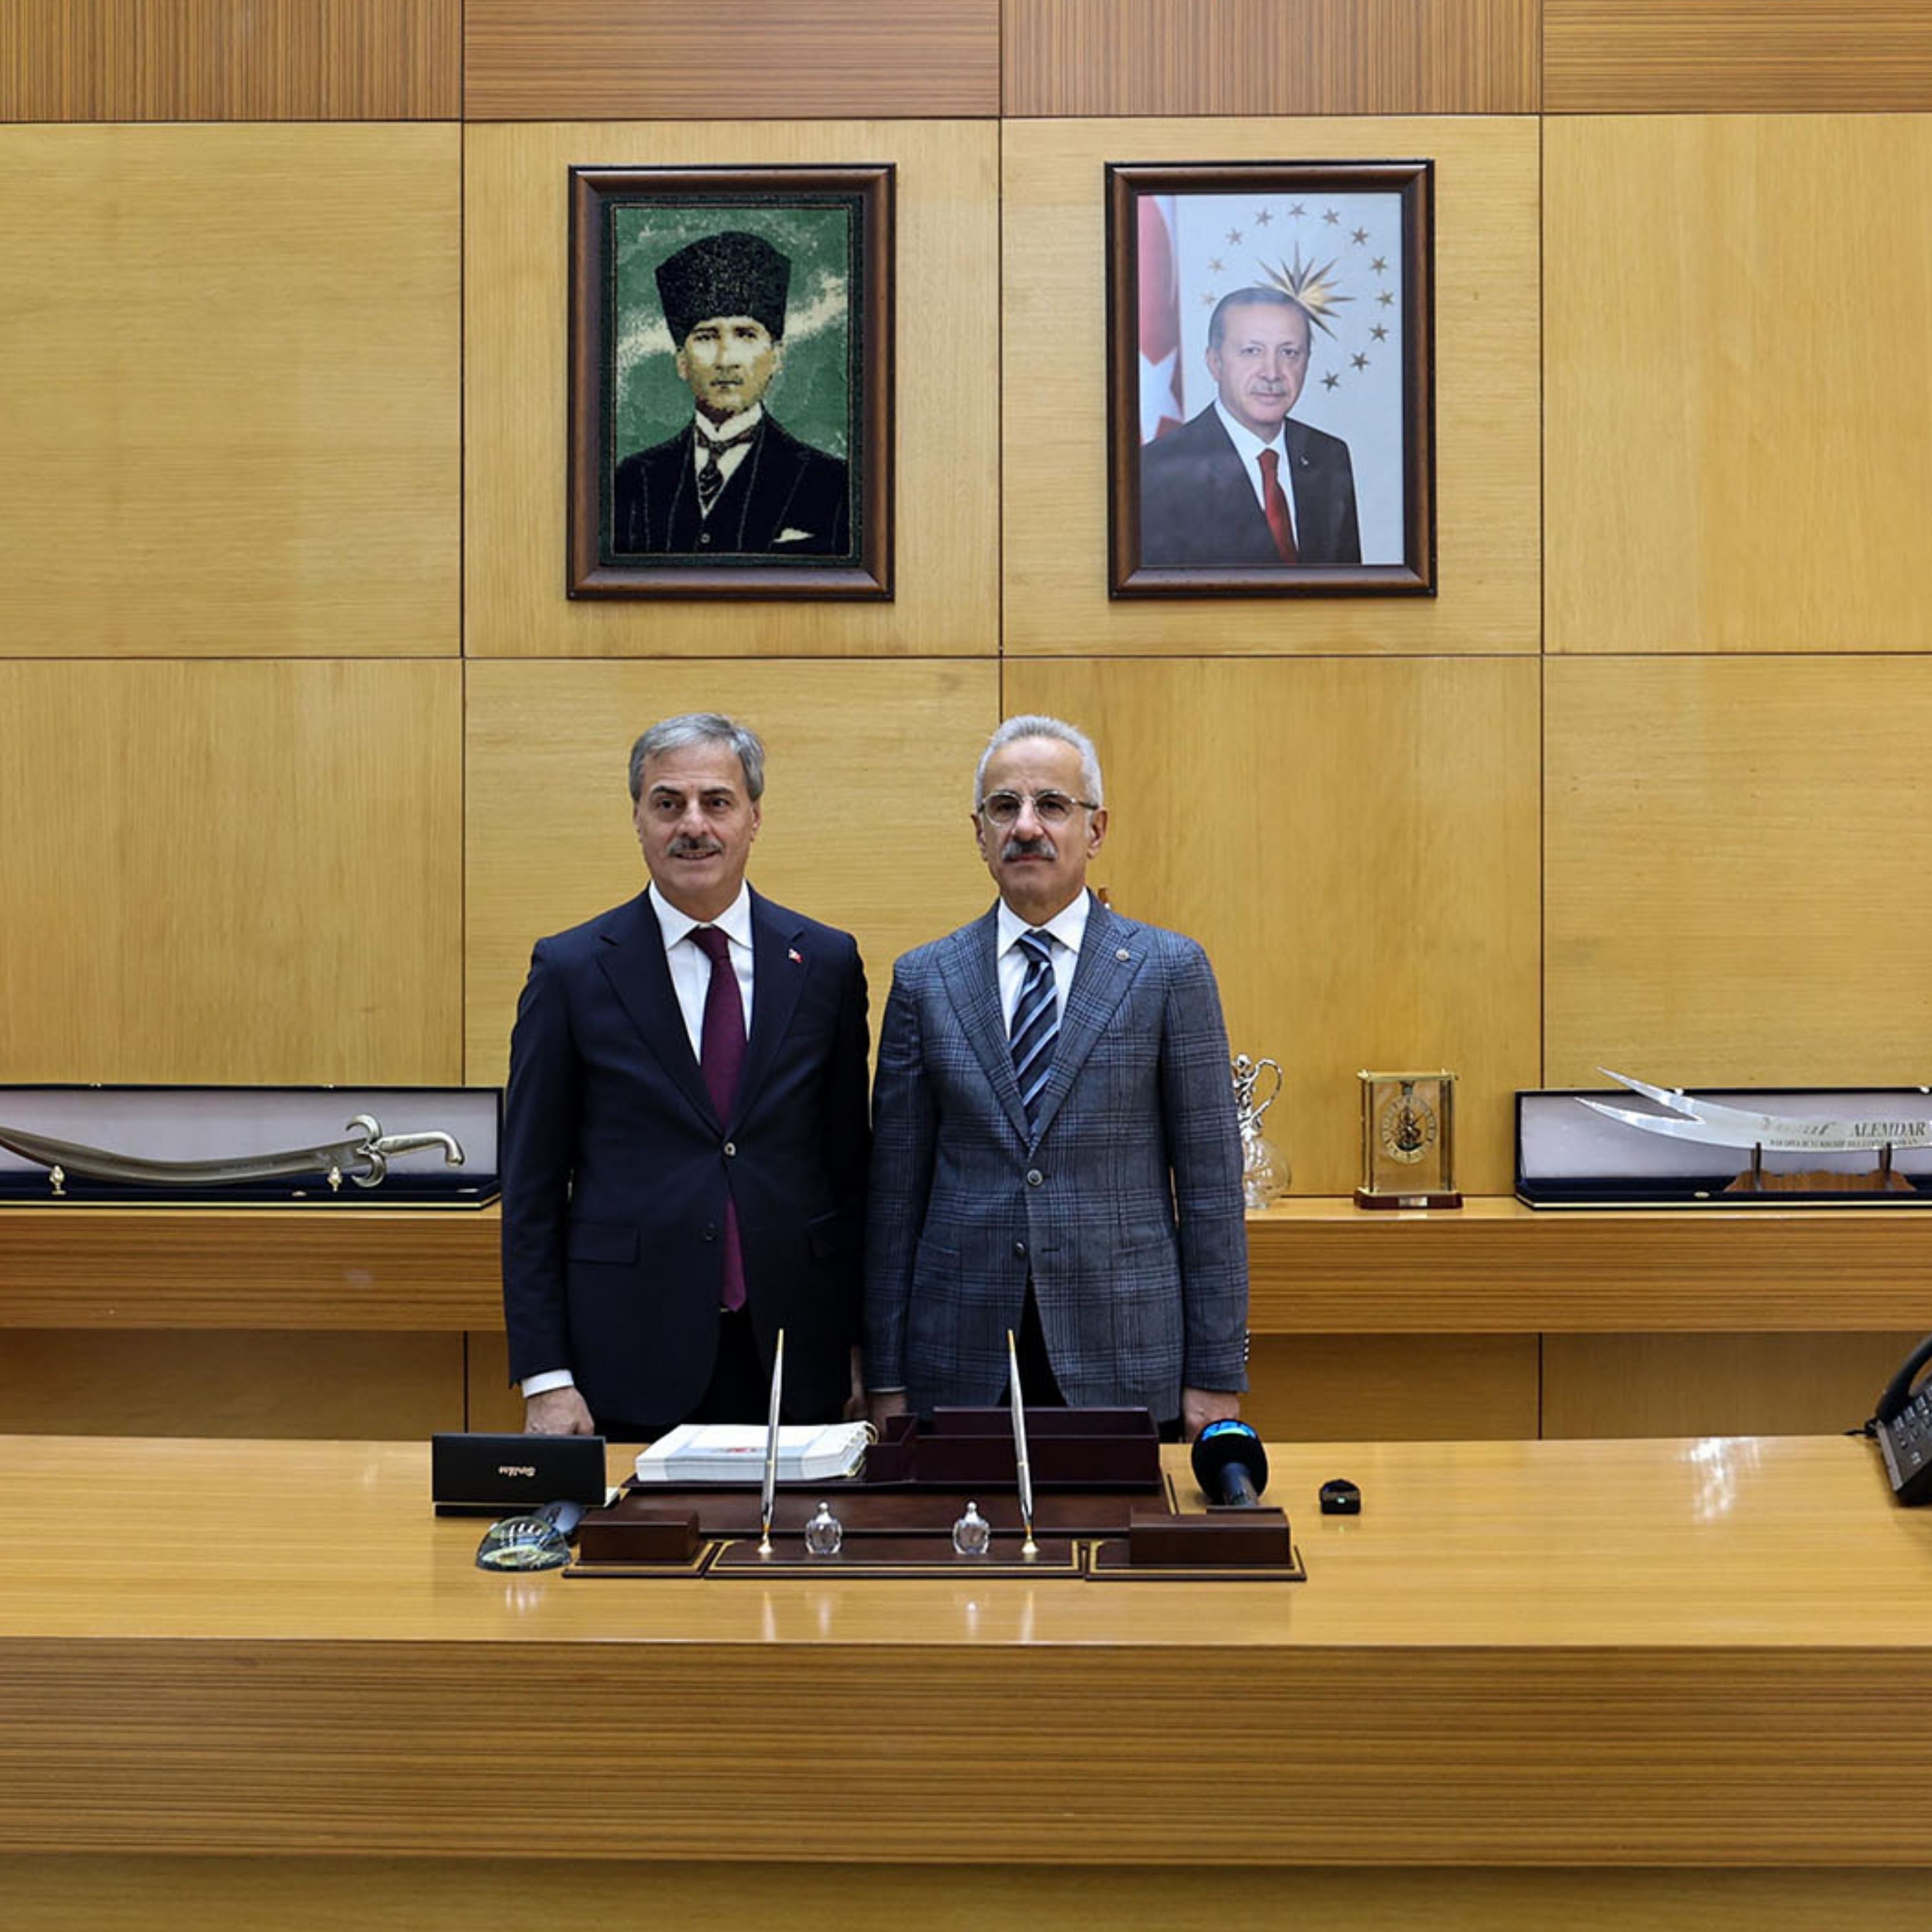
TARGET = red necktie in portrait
(1277,504)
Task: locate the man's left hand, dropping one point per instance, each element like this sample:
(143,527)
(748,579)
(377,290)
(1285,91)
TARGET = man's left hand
(1199,1407)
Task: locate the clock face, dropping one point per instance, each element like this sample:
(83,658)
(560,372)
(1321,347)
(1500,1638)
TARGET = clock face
(1406,1127)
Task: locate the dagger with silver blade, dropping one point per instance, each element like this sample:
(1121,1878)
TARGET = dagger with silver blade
(364,1159)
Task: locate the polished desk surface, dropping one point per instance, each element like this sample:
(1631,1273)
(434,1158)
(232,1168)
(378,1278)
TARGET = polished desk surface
(1641,1651)
(1756,1540)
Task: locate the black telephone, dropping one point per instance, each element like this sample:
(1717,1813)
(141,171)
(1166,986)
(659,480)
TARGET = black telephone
(1903,1424)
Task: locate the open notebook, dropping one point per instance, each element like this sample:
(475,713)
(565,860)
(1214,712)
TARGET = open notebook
(723,1452)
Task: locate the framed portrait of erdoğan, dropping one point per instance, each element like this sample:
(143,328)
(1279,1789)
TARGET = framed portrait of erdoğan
(1270,368)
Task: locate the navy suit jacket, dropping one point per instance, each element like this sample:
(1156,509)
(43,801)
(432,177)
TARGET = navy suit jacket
(1199,511)
(785,498)
(617,1169)
(1123,1204)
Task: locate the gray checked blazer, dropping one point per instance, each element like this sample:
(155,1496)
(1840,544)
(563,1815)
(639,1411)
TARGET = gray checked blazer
(1124,1205)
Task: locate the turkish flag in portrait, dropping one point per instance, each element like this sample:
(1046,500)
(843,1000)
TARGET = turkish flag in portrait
(1160,319)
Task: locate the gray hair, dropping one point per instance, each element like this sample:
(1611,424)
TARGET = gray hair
(1031,725)
(1269,298)
(700,727)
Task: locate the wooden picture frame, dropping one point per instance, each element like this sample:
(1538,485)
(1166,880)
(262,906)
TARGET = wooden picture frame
(1283,312)
(758,302)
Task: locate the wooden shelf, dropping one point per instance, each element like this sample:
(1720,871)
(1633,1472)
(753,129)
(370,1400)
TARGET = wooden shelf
(1495,1267)
(221,1267)
(1319,1267)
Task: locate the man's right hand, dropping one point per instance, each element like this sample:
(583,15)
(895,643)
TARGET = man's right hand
(558,1412)
(878,1407)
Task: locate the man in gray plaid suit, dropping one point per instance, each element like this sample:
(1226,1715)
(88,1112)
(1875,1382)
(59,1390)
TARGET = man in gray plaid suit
(1054,1145)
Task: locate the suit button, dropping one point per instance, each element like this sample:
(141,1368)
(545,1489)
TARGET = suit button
(703,536)
(1034,1177)
(730,1149)
(711,1232)
(1019,1251)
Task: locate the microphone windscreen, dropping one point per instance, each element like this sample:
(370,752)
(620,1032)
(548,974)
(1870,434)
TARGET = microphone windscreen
(1223,1444)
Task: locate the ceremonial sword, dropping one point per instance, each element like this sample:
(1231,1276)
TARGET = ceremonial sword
(363,1159)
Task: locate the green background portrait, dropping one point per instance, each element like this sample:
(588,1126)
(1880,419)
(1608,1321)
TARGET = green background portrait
(811,395)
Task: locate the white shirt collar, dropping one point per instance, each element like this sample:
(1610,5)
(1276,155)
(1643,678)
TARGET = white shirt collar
(1068,925)
(734,922)
(1248,446)
(723,432)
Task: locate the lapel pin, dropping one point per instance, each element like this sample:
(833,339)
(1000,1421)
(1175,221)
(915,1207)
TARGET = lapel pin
(797,957)
(1122,954)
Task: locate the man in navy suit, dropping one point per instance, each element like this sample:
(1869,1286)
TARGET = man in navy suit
(1055,1146)
(732,480)
(1244,486)
(684,1132)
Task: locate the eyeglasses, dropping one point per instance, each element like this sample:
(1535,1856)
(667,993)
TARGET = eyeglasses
(1050,808)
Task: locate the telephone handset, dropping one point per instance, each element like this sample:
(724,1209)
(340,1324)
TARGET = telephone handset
(1903,1424)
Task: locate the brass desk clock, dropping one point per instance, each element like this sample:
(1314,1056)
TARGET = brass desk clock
(1409,1122)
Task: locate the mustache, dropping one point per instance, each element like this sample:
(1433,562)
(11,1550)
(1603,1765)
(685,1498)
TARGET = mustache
(1029,848)
(695,848)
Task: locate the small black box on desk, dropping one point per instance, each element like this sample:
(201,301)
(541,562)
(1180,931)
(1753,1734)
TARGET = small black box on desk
(498,1475)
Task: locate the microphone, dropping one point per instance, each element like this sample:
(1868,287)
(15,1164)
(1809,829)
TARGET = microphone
(1230,1463)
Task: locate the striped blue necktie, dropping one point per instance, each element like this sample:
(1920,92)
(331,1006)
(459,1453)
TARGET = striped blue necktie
(1035,1022)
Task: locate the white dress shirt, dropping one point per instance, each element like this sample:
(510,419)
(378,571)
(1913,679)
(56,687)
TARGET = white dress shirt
(1068,927)
(731,426)
(1248,447)
(690,965)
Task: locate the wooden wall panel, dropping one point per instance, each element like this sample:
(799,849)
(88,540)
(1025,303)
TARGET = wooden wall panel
(1271,57)
(232,1382)
(1602,1385)
(230,60)
(867,805)
(1054,487)
(124,1892)
(659,60)
(947,528)
(232,872)
(1734,873)
(491,1402)
(1739,398)
(1384,1388)
(1736,56)
(1355,844)
(230,391)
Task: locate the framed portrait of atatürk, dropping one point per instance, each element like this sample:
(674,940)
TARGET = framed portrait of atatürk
(1270,371)
(730,383)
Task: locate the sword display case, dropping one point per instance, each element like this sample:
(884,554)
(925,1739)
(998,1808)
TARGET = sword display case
(320,1148)
(1571,1154)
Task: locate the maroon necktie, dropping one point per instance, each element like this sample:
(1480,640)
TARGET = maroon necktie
(721,1055)
(1279,523)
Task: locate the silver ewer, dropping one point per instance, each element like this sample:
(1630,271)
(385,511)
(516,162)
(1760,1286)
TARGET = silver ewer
(1264,1170)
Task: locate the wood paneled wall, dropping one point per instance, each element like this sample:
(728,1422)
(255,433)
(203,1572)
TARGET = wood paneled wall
(305,744)
(230,60)
(663,60)
(1264,57)
(1736,56)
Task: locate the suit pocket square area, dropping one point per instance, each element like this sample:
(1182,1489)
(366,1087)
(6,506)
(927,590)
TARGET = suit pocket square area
(795,536)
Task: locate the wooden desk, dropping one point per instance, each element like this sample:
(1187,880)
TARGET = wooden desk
(1524,1655)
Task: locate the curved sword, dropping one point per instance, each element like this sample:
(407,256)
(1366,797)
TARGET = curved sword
(1714,1125)
(363,1159)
